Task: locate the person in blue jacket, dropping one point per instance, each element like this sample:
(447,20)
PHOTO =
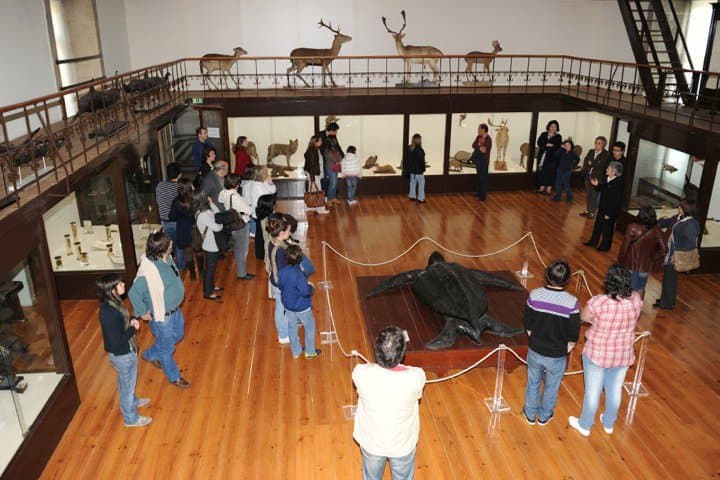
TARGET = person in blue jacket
(296,294)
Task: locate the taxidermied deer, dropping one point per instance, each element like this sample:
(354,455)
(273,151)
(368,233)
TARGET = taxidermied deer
(326,56)
(331,119)
(502,138)
(217,62)
(405,50)
(481,58)
(277,149)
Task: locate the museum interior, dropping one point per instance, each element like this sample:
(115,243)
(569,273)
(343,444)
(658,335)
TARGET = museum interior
(99,97)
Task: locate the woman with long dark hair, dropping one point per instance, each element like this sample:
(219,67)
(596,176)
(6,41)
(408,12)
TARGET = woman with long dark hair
(414,168)
(242,156)
(118,331)
(642,249)
(265,207)
(181,214)
(608,351)
(548,143)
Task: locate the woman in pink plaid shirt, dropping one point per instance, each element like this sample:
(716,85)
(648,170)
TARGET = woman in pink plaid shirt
(609,350)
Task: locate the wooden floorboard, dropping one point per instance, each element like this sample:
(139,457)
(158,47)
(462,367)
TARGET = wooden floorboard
(255,413)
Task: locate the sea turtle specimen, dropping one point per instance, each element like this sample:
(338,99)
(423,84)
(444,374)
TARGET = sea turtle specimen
(456,293)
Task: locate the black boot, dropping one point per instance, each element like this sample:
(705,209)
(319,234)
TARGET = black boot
(200,263)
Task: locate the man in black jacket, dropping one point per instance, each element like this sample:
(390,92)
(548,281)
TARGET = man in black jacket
(596,162)
(329,142)
(609,209)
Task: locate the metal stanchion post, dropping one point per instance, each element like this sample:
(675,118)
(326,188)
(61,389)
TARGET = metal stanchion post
(497,403)
(328,336)
(524,273)
(636,389)
(349,410)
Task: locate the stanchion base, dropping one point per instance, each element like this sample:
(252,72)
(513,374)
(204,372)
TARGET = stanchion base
(522,274)
(349,411)
(497,405)
(642,391)
(325,285)
(328,337)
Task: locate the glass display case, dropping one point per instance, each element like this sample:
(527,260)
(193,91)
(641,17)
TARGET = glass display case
(582,127)
(378,139)
(284,138)
(82,229)
(141,177)
(509,133)
(659,178)
(32,358)
(712,222)
(432,129)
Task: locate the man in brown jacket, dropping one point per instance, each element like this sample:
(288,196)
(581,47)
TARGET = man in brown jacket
(596,161)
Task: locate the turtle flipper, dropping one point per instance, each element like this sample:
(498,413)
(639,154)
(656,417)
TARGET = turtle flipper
(395,281)
(490,280)
(496,327)
(447,337)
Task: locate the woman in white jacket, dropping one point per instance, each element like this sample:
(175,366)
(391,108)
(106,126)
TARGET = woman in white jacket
(232,200)
(261,184)
(205,222)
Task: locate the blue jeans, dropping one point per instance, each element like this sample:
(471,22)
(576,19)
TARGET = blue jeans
(352,184)
(330,178)
(562,180)
(417,186)
(550,369)
(308,321)
(482,165)
(402,468)
(253,225)
(638,280)
(126,367)
(167,334)
(598,379)
(171,230)
(280,322)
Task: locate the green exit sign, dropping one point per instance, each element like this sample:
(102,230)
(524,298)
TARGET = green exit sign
(197,101)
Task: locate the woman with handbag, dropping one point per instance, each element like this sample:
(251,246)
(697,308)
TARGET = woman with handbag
(261,184)
(181,214)
(643,248)
(332,156)
(205,211)
(314,196)
(682,255)
(238,207)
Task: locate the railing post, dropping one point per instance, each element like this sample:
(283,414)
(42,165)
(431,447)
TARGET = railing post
(497,404)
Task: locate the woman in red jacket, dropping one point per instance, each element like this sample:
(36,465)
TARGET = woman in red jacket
(242,157)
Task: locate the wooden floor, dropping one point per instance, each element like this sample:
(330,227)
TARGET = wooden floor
(255,413)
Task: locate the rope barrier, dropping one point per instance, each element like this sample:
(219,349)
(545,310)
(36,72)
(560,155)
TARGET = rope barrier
(354,353)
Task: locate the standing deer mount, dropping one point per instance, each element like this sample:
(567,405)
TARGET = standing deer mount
(217,62)
(502,139)
(481,58)
(415,51)
(320,57)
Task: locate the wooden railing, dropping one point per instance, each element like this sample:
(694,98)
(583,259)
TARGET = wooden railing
(45,139)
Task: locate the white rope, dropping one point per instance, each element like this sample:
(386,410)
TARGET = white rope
(465,370)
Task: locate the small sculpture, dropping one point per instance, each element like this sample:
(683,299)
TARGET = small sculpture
(461,122)
(217,62)
(321,57)
(277,149)
(370,162)
(383,169)
(669,168)
(456,293)
(331,119)
(280,171)
(481,58)
(502,140)
(415,51)
(461,160)
(524,152)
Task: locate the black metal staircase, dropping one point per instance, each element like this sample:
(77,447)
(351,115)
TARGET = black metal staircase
(657,40)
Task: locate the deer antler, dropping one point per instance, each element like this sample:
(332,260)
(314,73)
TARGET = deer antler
(404,21)
(490,123)
(384,20)
(321,24)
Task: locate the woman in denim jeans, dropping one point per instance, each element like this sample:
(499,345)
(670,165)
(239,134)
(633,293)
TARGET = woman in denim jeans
(609,348)
(279,230)
(118,331)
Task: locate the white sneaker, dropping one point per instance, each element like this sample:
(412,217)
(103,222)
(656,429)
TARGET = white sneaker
(322,211)
(610,430)
(142,402)
(575,423)
(140,422)
(283,340)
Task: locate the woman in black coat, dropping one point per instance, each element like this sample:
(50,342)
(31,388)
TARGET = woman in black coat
(181,214)
(414,168)
(549,144)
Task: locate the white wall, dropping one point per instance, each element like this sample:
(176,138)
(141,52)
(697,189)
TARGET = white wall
(28,62)
(113,36)
(180,28)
